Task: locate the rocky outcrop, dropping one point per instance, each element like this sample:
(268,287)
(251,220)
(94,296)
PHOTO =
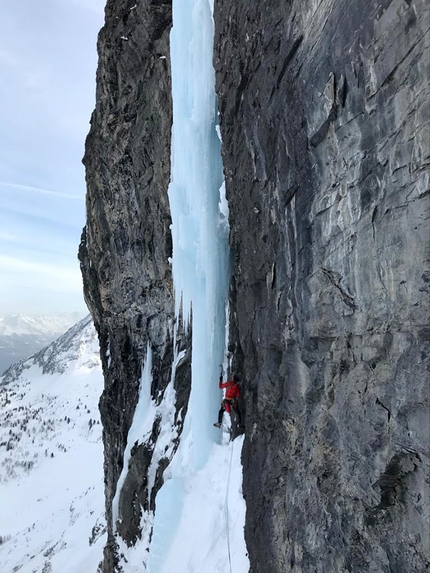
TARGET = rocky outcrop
(126,245)
(326,154)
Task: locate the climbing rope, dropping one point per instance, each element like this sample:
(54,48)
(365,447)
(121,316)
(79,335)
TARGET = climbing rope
(226,507)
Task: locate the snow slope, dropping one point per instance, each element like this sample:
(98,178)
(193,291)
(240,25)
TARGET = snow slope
(51,459)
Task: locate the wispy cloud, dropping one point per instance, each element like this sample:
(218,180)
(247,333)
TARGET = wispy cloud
(40,190)
(36,268)
(27,285)
(47,96)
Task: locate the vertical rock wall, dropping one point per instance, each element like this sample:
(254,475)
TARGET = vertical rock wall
(324,121)
(325,148)
(126,244)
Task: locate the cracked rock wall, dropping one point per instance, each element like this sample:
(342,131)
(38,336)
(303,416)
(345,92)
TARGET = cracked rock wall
(125,248)
(324,120)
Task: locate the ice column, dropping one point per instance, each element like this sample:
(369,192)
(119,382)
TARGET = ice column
(200,230)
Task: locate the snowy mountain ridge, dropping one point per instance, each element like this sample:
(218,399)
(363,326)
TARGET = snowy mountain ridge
(51,458)
(22,335)
(58,356)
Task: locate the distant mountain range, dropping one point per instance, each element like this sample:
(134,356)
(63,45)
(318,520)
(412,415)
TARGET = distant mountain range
(22,335)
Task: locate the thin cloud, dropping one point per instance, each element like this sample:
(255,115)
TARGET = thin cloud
(40,190)
(9,237)
(47,96)
(31,286)
(71,276)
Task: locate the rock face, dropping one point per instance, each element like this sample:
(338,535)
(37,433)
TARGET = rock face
(126,244)
(325,149)
(324,122)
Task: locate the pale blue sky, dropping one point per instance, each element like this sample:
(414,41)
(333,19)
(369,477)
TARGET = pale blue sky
(47,84)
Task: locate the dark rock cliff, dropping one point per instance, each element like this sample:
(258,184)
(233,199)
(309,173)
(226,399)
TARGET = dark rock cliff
(325,149)
(126,244)
(324,121)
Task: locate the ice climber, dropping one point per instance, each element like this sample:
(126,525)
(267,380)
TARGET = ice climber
(230,401)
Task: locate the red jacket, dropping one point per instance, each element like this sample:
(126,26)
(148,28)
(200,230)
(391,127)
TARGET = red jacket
(233,390)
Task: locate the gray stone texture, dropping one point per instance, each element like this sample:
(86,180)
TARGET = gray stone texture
(325,127)
(126,244)
(324,119)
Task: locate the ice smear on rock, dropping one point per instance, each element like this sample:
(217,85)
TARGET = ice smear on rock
(140,427)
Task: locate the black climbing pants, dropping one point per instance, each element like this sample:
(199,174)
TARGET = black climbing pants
(233,404)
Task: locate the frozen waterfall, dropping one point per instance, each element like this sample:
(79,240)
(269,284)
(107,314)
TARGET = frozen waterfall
(200,511)
(198,524)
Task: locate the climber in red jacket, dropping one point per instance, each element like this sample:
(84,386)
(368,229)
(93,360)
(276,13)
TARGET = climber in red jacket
(230,401)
